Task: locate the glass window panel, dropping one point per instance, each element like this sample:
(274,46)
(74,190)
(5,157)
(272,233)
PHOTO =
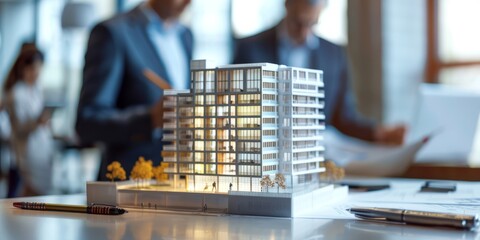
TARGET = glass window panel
(458,39)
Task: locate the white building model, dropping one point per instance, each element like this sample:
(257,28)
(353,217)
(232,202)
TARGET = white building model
(241,122)
(230,138)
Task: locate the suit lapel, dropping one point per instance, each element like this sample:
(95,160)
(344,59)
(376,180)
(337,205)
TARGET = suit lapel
(145,49)
(273,47)
(315,58)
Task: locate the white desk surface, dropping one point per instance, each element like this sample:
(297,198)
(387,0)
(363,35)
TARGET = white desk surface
(28,224)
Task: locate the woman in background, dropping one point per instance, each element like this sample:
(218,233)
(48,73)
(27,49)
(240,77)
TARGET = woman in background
(31,139)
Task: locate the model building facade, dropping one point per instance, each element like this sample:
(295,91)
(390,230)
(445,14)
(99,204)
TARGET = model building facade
(241,122)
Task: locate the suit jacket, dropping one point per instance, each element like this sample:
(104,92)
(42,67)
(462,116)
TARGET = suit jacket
(339,109)
(115,100)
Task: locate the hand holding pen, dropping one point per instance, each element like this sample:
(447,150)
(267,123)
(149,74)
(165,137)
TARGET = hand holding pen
(91,209)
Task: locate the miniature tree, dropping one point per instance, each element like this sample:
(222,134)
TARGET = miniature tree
(280,181)
(116,171)
(159,172)
(332,172)
(266,182)
(142,171)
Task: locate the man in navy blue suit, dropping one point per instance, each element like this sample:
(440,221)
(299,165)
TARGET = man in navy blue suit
(118,105)
(293,43)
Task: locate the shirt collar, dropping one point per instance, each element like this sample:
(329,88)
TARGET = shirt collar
(285,40)
(153,20)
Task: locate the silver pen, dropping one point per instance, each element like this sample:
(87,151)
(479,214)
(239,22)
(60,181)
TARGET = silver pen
(417,217)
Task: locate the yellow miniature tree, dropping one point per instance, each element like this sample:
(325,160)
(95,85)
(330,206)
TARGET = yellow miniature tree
(116,171)
(332,172)
(280,181)
(158,172)
(142,171)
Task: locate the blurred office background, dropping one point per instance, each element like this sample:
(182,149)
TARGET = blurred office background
(394,46)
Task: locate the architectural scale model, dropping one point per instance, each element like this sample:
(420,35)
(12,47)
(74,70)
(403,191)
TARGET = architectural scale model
(238,132)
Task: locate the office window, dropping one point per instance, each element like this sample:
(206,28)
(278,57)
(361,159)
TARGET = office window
(453,49)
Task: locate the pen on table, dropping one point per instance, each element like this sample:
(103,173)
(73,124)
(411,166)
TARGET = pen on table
(91,209)
(417,217)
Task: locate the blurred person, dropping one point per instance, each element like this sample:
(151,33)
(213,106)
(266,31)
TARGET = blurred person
(119,106)
(293,43)
(31,138)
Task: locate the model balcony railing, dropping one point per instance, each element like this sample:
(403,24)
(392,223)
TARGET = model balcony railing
(304,124)
(304,135)
(304,112)
(169,136)
(304,102)
(169,114)
(303,146)
(169,104)
(169,147)
(170,125)
(169,159)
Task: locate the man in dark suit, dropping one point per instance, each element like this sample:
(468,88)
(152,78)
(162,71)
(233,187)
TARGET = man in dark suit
(119,106)
(293,43)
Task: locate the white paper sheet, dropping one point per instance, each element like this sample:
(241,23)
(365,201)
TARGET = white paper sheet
(404,194)
(366,159)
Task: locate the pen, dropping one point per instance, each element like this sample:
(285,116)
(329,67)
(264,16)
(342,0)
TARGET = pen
(417,217)
(155,79)
(91,209)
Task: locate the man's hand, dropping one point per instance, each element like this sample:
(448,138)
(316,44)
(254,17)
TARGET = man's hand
(392,135)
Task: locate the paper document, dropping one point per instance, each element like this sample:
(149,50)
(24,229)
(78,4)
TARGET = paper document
(366,159)
(404,194)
